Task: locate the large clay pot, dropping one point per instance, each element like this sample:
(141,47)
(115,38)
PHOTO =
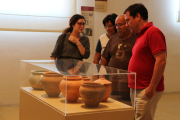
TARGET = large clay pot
(92,93)
(86,79)
(50,82)
(72,84)
(35,79)
(108,87)
(120,86)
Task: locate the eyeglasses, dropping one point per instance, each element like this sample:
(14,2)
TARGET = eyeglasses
(79,23)
(109,26)
(119,25)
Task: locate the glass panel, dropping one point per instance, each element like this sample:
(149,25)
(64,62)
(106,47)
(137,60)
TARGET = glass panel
(44,88)
(86,88)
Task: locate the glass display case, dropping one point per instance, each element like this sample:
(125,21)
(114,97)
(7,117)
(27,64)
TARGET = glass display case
(73,89)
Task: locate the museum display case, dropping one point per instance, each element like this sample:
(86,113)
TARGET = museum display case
(72,90)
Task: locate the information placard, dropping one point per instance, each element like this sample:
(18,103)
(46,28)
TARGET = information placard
(100,5)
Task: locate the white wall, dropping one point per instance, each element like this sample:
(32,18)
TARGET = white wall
(16,46)
(163,14)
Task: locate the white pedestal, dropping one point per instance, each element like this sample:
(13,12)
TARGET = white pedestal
(36,105)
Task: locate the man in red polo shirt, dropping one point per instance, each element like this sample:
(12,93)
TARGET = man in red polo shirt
(148,61)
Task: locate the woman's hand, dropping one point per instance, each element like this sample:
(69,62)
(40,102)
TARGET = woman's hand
(73,39)
(77,42)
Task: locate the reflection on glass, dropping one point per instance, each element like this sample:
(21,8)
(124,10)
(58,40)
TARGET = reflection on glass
(71,66)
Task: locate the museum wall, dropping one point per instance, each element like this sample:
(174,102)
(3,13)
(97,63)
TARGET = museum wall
(16,45)
(163,13)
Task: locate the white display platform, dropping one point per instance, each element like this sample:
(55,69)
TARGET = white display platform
(36,105)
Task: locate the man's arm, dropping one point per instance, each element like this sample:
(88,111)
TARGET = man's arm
(97,57)
(104,61)
(160,63)
(53,58)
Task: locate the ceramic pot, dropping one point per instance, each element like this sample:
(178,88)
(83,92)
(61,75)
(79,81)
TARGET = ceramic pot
(86,79)
(35,79)
(108,87)
(71,84)
(92,93)
(120,86)
(50,82)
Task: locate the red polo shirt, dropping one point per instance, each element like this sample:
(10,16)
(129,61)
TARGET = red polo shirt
(150,40)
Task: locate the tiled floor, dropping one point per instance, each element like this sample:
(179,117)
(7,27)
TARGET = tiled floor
(168,109)
(9,112)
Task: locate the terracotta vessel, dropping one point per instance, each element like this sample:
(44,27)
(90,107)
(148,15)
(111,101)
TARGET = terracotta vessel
(35,79)
(92,93)
(108,87)
(50,82)
(120,86)
(71,84)
(86,79)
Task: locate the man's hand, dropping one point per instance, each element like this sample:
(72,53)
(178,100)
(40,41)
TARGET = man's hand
(150,92)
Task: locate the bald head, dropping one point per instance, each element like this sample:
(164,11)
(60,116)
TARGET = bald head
(121,18)
(121,27)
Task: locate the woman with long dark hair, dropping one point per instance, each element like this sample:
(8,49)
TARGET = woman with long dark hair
(71,44)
